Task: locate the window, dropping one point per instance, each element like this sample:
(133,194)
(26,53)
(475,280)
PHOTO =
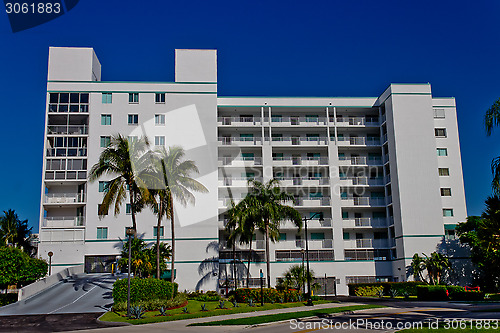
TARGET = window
(247,156)
(341,156)
(128,209)
(378,215)
(438,113)
(276,137)
(276,118)
(155,231)
(312,118)
(102,233)
(133,119)
(107,98)
(105,119)
(159,140)
(160,98)
(282,236)
(278,157)
(346,236)
(131,139)
(133,97)
(450,234)
(442,152)
(103,186)
(444,171)
(317,215)
(105,141)
(447,212)
(246,137)
(100,212)
(345,215)
(446,192)
(159,119)
(317,235)
(440,132)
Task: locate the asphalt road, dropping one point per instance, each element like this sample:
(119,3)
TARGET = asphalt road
(81,294)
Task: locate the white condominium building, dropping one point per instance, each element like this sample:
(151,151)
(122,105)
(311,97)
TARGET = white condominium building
(381,177)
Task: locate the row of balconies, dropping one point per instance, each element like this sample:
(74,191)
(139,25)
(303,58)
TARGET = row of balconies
(64,198)
(63,221)
(69,152)
(313,244)
(65,175)
(292,160)
(297,121)
(358,141)
(299,141)
(325,201)
(364,201)
(67,129)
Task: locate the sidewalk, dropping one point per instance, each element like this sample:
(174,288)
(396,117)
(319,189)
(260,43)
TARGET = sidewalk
(181,325)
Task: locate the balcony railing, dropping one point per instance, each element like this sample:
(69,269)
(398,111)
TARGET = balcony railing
(63,221)
(355,121)
(297,121)
(68,129)
(69,152)
(241,141)
(228,161)
(360,160)
(295,141)
(365,222)
(311,201)
(59,198)
(364,201)
(311,160)
(366,243)
(363,180)
(68,108)
(237,181)
(304,181)
(68,175)
(358,141)
(239,121)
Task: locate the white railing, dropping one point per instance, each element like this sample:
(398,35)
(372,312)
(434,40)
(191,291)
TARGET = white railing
(370,222)
(64,197)
(243,121)
(327,243)
(298,120)
(366,243)
(302,160)
(294,141)
(63,221)
(63,152)
(236,159)
(237,181)
(355,121)
(311,201)
(239,140)
(364,180)
(365,201)
(70,130)
(359,141)
(360,160)
(297,181)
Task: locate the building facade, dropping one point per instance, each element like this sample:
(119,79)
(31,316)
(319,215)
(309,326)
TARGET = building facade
(381,176)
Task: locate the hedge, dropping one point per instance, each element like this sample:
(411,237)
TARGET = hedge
(8,298)
(372,289)
(143,289)
(432,293)
(271,295)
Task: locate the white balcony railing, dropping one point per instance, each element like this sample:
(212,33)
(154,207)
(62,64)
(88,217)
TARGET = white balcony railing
(237,181)
(297,121)
(239,141)
(311,201)
(358,141)
(68,129)
(355,121)
(63,221)
(299,140)
(360,160)
(239,121)
(304,181)
(289,160)
(365,222)
(366,243)
(240,161)
(363,201)
(363,181)
(63,152)
(58,198)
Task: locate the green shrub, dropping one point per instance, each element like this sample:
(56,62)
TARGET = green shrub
(271,295)
(463,295)
(143,289)
(368,290)
(432,293)
(400,288)
(154,304)
(8,298)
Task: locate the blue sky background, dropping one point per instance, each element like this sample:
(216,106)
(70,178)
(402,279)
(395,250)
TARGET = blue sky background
(265,48)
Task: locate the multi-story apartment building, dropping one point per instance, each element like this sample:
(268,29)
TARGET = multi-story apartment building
(381,176)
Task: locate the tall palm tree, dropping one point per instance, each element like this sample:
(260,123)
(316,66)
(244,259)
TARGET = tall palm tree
(492,119)
(436,265)
(267,202)
(417,266)
(177,183)
(15,231)
(124,160)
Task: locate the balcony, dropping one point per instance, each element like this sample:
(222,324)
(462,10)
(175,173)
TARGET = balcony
(65,175)
(239,121)
(359,160)
(240,161)
(365,222)
(57,235)
(358,141)
(311,201)
(304,181)
(297,121)
(366,243)
(67,130)
(237,181)
(363,201)
(58,108)
(299,141)
(67,152)
(355,121)
(363,181)
(311,224)
(241,141)
(64,198)
(63,222)
(289,160)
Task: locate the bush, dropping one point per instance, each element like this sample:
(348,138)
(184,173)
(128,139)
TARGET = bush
(271,295)
(204,297)
(400,288)
(154,304)
(143,290)
(8,298)
(18,268)
(432,293)
(463,295)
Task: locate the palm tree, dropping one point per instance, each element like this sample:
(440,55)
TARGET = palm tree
(123,159)
(492,119)
(176,182)
(267,203)
(436,264)
(417,266)
(15,231)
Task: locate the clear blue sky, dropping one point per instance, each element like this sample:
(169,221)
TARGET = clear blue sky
(273,48)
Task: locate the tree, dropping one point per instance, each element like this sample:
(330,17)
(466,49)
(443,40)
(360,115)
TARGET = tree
(143,256)
(482,235)
(18,268)
(417,266)
(124,160)
(176,182)
(295,277)
(267,203)
(15,231)
(436,264)
(491,120)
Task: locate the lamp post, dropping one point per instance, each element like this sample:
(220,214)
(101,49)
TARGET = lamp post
(130,233)
(303,281)
(261,288)
(50,254)
(309,299)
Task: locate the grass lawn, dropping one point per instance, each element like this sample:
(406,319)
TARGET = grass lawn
(285,316)
(194,308)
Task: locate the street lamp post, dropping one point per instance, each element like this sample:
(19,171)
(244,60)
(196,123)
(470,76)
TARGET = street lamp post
(309,299)
(130,234)
(261,288)
(50,254)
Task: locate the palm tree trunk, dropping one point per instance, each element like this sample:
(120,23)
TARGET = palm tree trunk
(248,266)
(172,230)
(268,260)
(158,228)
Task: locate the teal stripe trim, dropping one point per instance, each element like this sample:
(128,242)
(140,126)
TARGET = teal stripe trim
(450,258)
(79,264)
(125,92)
(416,236)
(151,239)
